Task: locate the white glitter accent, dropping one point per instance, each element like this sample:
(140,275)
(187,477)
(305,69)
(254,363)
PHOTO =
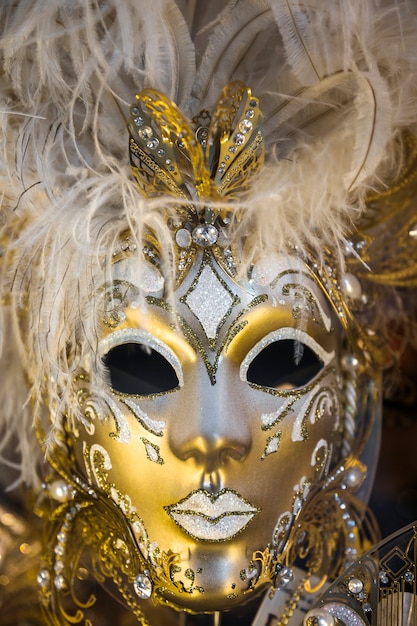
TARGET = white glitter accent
(137,335)
(209,301)
(272,445)
(154,426)
(344,613)
(296,434)
(106,461)
(207,530)
(278,335)
(152,452)
(322,443)
(151,280)
(269,419)
(212,518)
(122,427)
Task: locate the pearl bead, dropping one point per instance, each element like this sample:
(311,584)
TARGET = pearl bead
(318,617)
(349,363)
(351,286)
(354,478)
(60,491)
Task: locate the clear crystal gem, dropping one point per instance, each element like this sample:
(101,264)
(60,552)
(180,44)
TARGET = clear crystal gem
(253,103)
(146,132)
(233,149)
(205,235)
(142,586)
(409,577)
(43,577)
(161,152)
(239,139)
(250,113)
(60,582)
(138,120)
(135,111)
(59,550)
(355,585)
(245,126)
(383,578)
(285,576)
(153,143)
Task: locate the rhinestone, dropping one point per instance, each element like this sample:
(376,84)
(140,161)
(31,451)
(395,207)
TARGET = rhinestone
(409,577)
(142,586)
(245,126)
(161,152)
(59,550)
(153,143)
(58,567)
(250,113)
(205,235)
(168,162)
(239,139)
(355,585)
(146,132)
(383,578)
(172,168)
(233,149)
(60,582)
(366,607)
(61,537)
(43,577)
(138,121)
(183,238)
(285,576)
(253,103)
(135,111)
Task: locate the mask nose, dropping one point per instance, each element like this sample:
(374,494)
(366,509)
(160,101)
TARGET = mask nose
(212,430)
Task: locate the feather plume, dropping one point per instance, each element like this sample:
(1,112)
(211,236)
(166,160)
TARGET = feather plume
(336,82)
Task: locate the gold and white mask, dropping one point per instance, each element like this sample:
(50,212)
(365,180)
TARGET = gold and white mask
(222,411)
(217,407)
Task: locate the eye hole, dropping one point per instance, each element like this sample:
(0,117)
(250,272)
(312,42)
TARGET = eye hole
(278,367)
(138,369)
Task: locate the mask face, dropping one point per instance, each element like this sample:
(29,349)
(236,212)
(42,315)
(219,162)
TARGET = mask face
(222,409)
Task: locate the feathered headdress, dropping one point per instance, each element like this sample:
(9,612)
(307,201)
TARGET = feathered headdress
(336,84)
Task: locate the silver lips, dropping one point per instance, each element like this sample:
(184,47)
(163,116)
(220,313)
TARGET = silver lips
(212,517)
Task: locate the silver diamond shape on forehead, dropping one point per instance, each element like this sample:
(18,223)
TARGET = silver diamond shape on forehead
(211,301)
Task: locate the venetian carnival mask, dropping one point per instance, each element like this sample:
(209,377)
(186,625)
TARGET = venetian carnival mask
(216,404)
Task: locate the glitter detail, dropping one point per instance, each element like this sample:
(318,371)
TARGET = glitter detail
(212,517)
(152,451)
(345,614)
(270,419)
(210,301)
(272,445)
(156,427)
